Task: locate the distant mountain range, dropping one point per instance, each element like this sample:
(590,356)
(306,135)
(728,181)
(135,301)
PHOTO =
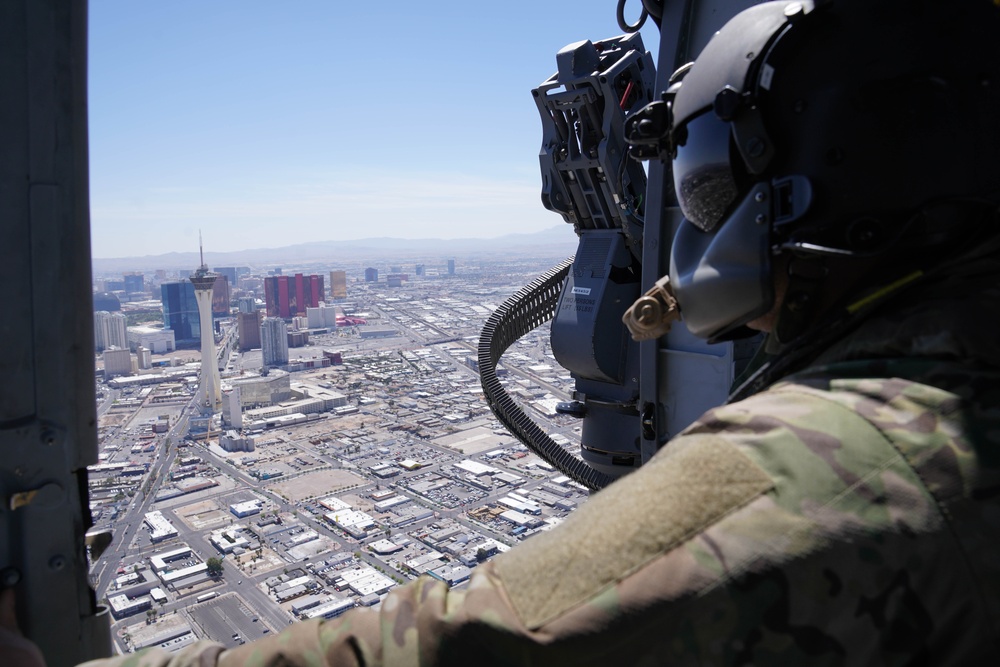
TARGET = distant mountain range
(557,241)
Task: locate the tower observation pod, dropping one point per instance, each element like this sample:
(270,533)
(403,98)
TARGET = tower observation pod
(211,392)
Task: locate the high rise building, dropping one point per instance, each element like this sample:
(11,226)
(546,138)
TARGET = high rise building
(134,283)
(451,267)
(180,312)
(117,362)
(110,330)
(107,301)
(252,284)
(228,271)
(248,328)
(211,385)
(232,409)
(143,358)
(371,275)
(274,341)
(322,317)
(419,270)
(220,297)
(289,296)
(338,285)
(247,304)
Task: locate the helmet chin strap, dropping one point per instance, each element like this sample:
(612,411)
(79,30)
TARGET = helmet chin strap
(804,292)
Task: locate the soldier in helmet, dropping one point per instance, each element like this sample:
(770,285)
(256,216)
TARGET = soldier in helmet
(838,167)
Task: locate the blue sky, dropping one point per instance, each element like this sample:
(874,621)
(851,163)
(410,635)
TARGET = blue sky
(265,124)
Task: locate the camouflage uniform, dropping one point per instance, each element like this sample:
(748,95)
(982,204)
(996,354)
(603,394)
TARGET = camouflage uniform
(849,514)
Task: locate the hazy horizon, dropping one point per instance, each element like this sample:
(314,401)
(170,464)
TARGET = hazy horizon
(256,123)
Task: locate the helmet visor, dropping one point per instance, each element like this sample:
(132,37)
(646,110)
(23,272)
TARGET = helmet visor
(703,175)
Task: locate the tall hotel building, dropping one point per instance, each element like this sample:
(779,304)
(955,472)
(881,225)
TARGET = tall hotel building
(289,296)
(274,341)
(338,285)
(180,312)
(110,330)
(134,283)
(220,297)
(248,328)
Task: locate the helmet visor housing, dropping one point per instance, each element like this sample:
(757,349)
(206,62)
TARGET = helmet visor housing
(703,175)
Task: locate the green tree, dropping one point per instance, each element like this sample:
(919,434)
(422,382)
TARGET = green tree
(214,567)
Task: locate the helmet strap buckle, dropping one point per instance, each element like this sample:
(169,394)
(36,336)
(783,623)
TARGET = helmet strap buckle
(805,282)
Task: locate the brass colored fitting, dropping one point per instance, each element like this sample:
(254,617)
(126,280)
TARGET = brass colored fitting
(652,313)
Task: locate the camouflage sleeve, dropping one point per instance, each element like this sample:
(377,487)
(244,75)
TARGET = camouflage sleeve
(783,529)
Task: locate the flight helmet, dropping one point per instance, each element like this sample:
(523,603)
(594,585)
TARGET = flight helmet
(830,129)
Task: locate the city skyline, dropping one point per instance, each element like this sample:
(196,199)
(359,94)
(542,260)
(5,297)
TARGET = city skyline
(250,122)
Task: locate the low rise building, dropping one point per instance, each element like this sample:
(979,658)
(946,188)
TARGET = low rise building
(248,508)
(121,606)
(330,609)
(354,523)
(159,527)
(451,574)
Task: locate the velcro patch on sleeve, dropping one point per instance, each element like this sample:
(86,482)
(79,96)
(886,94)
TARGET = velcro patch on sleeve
(686,488)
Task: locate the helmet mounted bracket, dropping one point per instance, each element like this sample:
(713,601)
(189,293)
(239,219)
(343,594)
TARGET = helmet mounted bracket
(749,134)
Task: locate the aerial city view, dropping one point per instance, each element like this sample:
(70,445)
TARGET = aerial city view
(291,432)
(568,333)
(283,443)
